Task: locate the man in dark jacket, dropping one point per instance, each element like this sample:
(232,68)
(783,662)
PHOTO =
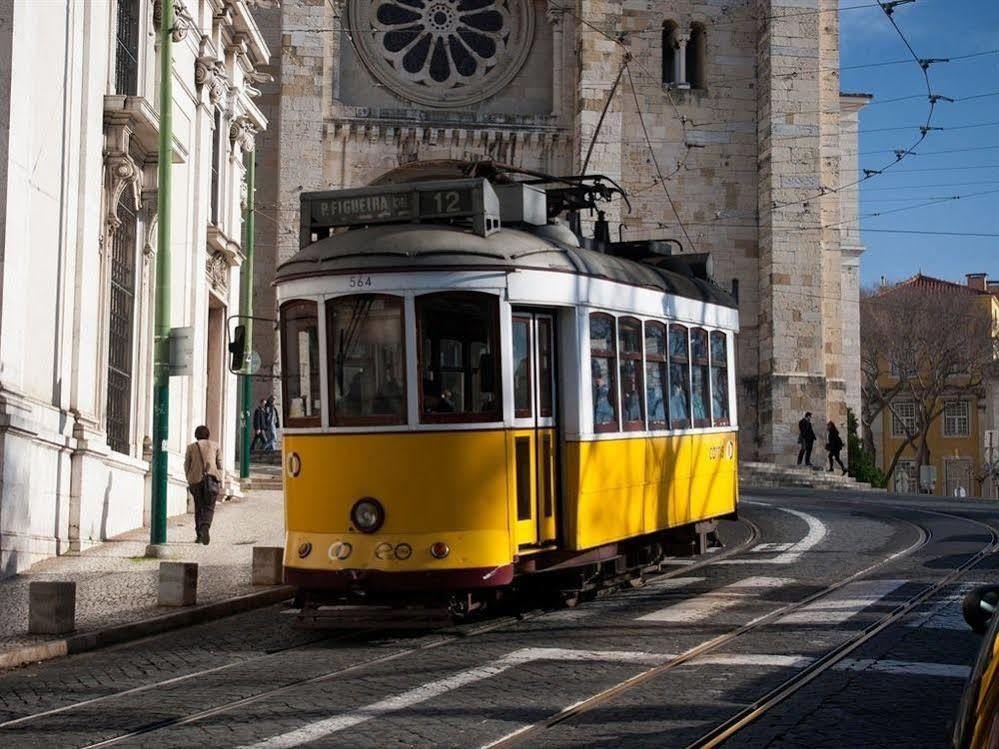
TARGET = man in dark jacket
(806,438)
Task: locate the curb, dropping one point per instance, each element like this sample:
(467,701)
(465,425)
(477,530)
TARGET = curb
(114,635)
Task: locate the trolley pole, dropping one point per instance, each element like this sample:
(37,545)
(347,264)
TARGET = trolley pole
(161,323)
(246,309)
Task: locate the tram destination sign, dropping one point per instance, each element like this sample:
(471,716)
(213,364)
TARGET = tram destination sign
(414,202)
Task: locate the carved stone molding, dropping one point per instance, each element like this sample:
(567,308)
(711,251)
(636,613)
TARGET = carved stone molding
(210,72)
(182,20)
(217,272)
(241,132)
(123,174)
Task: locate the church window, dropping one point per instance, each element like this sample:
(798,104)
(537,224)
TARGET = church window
(695,54)
(442,52)
(671,60)
(120,330)
(126,69)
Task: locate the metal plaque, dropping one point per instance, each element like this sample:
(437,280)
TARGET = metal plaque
(181,351)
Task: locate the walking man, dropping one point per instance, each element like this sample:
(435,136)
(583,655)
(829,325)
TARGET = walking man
(834,443)
(258,425)
(270,425)
(806,438)
(203,468)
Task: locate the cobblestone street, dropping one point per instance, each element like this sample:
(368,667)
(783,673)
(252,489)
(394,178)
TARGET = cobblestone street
(661,665)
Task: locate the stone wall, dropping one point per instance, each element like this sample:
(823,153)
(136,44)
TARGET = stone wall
(748,159)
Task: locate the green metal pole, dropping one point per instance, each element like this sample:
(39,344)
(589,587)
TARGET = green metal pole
(161,324)
(246,308)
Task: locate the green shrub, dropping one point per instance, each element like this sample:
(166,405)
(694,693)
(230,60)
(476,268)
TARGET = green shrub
(861,465)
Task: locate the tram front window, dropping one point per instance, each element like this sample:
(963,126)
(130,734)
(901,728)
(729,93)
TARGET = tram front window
(300,354)
(458,333)
(367,360)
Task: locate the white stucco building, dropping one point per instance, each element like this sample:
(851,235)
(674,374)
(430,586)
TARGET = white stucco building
(79,94)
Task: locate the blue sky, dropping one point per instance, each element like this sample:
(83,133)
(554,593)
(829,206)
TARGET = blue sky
(935,28)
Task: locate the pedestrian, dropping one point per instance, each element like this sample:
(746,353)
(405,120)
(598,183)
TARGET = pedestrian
(270,424)
(806,438)
(834,443)
(258,425)
(203,469)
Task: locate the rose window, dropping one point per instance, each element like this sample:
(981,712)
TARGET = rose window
(442,52)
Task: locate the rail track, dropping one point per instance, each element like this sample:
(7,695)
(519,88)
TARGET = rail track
(450,636)
(728,728)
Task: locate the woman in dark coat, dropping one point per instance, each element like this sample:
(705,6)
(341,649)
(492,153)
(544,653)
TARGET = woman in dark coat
(834,443)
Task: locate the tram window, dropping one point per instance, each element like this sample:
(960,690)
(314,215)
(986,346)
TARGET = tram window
(630,362)
(459,334)
(719,379)
(300,361)
(367,360)
(523,408)
(699,377)
(655,374)
(545,378)
(602,368)
(679,377)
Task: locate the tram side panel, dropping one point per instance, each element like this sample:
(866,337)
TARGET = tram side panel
(450,487)
(620,488)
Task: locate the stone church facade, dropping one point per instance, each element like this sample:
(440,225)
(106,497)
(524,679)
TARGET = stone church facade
(740,101)
(79,135)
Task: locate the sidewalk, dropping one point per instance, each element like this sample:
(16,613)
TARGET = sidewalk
(116,584)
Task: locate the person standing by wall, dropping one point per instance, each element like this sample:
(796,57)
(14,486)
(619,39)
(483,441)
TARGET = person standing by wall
(806,438)
(203,469)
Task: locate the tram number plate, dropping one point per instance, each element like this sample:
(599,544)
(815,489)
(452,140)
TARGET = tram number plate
(445,202)
(360,282)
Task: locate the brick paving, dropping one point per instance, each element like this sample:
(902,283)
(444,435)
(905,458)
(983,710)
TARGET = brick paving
(117,584)
(460,694)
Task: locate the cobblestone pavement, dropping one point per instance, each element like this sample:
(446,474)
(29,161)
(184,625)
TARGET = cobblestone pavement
(116,584)
(256,680)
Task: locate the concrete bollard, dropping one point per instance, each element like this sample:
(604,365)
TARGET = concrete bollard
(268,565)
(178,583)
(51,608)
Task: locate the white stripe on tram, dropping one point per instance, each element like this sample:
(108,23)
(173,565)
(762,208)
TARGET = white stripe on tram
(709,604)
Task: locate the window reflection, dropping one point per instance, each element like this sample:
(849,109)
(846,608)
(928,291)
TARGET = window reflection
(699,377)
(602,367)
(368,375)
(655,374)
(458,364)
(719,379)
(300,362)
(679,378)
(522,367)
(631,373)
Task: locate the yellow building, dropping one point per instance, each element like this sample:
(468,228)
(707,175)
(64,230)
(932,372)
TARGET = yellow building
(959,438)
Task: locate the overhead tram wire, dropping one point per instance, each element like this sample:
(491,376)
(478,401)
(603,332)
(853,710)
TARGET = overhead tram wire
(655,160)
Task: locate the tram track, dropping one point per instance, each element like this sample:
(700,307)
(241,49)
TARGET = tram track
(451,636)
(725,730)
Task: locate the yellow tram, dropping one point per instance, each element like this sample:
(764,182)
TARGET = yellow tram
(474,397)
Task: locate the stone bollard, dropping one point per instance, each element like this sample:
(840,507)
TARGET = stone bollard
(178,583)
(268,565)
(51,608)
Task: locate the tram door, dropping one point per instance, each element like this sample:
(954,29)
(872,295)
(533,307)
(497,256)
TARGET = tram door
(534,436)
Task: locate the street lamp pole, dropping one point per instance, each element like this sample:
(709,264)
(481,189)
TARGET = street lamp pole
(161,323)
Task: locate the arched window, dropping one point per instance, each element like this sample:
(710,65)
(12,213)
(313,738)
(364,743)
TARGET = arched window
(671,61)
(121,325)
(695,56)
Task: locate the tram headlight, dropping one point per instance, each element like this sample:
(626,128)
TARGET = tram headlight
(440,550)
(367,515)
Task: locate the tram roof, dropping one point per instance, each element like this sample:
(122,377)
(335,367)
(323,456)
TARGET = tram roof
(426,247)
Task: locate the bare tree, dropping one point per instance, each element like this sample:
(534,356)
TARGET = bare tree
(924,344)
